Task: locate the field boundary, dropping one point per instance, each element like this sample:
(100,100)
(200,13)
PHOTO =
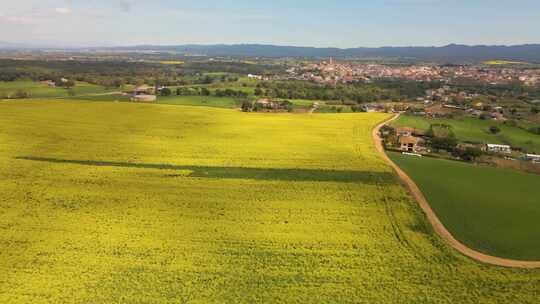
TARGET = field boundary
(438,226)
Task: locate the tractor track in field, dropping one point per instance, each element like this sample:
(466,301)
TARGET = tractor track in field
(438,226)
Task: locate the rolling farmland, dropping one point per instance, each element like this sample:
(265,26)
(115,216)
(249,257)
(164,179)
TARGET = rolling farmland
(134,203)
(492,210)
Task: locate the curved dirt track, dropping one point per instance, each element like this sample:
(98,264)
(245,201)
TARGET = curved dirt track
(434,220)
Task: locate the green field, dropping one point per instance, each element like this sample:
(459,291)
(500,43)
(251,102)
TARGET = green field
(476,130)
(324,108)
(493,210)
(108,97)
(37,89)
(137,203)
(207,101)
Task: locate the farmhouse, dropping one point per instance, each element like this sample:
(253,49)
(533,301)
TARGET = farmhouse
(258,77)
(438,111)
(409,143)
(144,98)
(144,93)
(371,108)
(405,131)
(144,90)
(266,104)
(504,149)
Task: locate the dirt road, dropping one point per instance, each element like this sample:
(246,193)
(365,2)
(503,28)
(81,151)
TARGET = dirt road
(434,220)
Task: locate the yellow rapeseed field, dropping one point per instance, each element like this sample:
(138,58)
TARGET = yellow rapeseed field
(172,62)
(135,203)
(503,62)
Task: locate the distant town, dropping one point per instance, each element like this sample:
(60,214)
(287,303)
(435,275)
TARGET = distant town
(492,73)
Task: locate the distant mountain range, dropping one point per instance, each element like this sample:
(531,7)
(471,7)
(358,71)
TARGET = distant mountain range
(450,53)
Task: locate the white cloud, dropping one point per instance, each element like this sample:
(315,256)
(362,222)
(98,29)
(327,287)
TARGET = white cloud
(62,10)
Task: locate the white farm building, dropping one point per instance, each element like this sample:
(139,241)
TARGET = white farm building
(504,149)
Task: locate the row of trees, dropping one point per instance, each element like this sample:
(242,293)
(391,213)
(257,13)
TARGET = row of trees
(118,73)
(203,91)
(514,89)
(248,106)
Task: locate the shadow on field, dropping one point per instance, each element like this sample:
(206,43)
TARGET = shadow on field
(242,173)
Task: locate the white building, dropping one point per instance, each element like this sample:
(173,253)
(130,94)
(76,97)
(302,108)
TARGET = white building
(258,77)
(533,157)
(144,98)
(505,149)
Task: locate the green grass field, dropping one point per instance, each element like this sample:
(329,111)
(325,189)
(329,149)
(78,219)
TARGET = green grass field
(137,203)
(206,101)
(111,97)
(37,89)
(324,108)
(495,211)
(476,130)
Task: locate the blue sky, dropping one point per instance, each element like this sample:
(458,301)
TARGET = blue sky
(341,23)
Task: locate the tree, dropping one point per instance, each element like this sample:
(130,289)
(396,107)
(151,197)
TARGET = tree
(444,143)
(21,94)
(69,84)
(442,137)
(117,83)
(494,130)
(246,106)
(290,108)
(535,130)
(166,92)
(535,110)
(219,93)
(469,153)
(205,92)
(207,80)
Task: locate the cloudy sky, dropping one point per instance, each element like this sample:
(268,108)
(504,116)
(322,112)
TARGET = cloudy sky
(341,23)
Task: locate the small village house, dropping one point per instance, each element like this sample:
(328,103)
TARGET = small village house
(144,90)
(404,131)
(144,93)
(409,143)
(144,98)
(266,103)
(258,77)
(502,149)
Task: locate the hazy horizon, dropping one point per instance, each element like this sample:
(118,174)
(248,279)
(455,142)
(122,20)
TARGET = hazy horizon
(210,44)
